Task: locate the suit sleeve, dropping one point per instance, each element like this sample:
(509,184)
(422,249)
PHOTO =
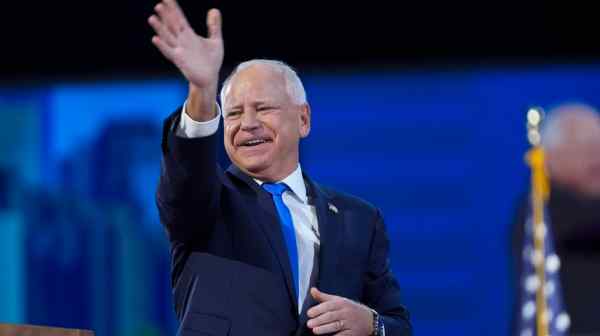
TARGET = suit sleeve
(382,292)
(188,191)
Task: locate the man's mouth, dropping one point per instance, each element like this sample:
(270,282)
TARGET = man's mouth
(254,142)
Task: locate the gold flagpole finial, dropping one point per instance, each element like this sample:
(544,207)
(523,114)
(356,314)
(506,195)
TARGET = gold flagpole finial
(535,115)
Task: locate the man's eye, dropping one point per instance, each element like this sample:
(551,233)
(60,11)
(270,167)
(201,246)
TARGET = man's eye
(233,114)
(264,108)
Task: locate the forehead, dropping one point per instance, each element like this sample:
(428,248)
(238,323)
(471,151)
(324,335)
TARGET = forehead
(579,127)
(257,82)
(580,120)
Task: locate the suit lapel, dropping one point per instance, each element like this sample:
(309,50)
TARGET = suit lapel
(331,231)
(268,219)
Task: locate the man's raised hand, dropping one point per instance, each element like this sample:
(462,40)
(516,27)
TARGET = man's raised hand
(198,58)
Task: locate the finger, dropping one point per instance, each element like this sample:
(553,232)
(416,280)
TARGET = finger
(325,318)
(213,22)
(169,17)
(166,17)
(320,296)
(163,47)
(328,328)
(162,31)
(322,308)
(177,16)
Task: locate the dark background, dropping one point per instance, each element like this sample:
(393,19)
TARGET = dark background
(111,38)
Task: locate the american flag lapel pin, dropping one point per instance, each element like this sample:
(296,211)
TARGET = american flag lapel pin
(333,208)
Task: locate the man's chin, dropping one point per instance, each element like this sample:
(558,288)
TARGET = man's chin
(253,166)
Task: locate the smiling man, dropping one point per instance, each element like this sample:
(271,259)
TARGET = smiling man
(265,114)
(261,249)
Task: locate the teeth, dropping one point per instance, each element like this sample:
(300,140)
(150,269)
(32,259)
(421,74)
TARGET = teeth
(254,142)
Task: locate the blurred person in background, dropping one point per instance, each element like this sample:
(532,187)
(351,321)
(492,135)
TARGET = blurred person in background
(571,140)
(260,249)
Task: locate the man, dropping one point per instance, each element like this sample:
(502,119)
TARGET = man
(571,140)
(261,249)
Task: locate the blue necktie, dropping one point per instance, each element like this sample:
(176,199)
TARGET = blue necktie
(287,225)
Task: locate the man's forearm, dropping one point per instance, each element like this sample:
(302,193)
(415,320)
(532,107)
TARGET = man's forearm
(201,102)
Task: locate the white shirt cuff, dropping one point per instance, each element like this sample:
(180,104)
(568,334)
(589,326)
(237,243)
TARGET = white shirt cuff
(190,128)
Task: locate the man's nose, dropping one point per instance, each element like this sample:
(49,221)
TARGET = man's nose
(249,121)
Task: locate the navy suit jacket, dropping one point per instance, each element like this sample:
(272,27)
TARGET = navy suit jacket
(230,269)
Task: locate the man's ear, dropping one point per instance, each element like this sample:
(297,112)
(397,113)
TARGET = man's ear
(304,120)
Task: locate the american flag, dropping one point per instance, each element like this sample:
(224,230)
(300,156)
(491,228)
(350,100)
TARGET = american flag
(555,316)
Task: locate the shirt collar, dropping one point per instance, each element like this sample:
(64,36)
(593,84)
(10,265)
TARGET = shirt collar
(295,182)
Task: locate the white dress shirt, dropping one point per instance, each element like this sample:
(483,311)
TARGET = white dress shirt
(303,214)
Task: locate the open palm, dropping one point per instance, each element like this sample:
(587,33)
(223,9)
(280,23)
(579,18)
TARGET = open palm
(198,58)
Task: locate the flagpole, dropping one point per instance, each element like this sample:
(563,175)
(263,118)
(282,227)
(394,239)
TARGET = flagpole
(539,195)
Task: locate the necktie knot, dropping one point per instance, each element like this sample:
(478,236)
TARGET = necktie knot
(276,189)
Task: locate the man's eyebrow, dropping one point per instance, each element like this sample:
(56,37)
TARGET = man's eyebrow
(256,103)
(265,102)
(232,107)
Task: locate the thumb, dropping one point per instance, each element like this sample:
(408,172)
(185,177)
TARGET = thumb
(213,21)
(320,296)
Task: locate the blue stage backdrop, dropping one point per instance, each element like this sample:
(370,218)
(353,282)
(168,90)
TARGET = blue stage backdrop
(439,151)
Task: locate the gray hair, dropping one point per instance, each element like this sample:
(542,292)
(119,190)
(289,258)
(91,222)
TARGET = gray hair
(293,84)
(553,129)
